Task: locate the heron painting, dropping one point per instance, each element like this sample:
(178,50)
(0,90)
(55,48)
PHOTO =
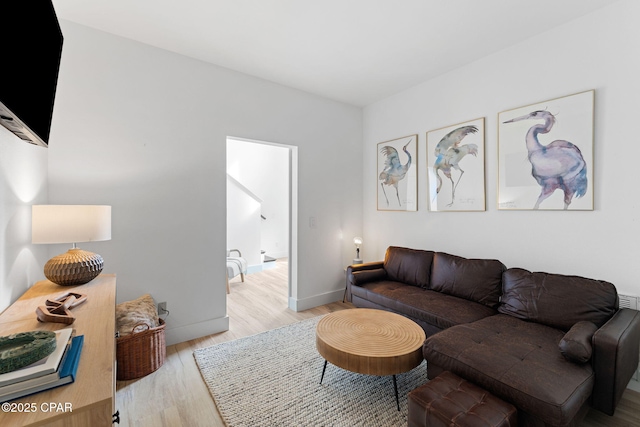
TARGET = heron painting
(397,175)
(453,152)
(557,159)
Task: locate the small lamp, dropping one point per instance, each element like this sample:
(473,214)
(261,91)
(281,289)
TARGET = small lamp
(357,241)
(71,224)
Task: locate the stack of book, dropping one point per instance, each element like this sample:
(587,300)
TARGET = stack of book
(57,369)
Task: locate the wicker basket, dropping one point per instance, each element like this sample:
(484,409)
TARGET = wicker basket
(140,353)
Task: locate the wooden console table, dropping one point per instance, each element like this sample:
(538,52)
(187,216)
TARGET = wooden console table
(91,397)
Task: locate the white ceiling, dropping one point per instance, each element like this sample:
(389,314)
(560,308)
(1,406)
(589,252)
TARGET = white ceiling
(354,51)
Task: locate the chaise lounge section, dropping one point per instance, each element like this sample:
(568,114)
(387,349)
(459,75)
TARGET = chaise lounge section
(550,344)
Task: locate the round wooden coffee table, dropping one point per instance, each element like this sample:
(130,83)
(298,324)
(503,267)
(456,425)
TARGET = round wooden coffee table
(370,341)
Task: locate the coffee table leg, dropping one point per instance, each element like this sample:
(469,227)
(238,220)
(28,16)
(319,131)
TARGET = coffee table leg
(324,368)
(395,388)
(395,384)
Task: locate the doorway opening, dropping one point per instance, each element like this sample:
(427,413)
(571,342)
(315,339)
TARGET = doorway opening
(262,221)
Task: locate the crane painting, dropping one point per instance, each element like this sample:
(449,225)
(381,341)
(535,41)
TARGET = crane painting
(397,172)
(557,165)
(454,153)
(554,163)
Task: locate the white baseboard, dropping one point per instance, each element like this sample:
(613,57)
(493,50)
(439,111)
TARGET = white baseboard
(634,385)
(277,255)
(256,268)
(196,330)
(315,301)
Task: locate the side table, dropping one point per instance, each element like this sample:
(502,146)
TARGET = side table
(355,261)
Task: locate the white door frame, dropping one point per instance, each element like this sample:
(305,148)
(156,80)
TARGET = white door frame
(293,214)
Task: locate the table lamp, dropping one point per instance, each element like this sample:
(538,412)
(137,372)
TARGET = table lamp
(71,224)
(357,241)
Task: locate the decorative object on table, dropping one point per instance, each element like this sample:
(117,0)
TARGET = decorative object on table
(397,171)
(43,367)
(546,147)
(66,374)
(59,314)
(71,224)
(452,152)
(288,393)
(78,299)
(140,345)
(58,309)
(357,241)
(24,348)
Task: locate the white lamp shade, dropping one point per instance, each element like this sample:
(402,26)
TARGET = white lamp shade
(357,241)
(70,223)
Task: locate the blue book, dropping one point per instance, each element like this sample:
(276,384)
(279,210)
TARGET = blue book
(66,372)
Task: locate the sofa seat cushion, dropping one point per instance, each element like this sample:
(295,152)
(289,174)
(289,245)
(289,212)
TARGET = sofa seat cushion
(518,361)
(434,308)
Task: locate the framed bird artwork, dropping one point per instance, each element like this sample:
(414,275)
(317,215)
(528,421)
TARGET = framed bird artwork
(397,174)
(455,158)
(545,155)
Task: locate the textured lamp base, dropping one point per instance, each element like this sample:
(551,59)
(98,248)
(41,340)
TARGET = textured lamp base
(75,267)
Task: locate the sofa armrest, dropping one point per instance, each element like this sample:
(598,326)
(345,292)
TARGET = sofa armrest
(366,266)
(615,358)
(357,268)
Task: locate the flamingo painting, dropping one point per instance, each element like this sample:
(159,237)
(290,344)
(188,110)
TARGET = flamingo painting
(394,171)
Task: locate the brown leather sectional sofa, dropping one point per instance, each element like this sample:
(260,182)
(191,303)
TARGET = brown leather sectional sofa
(550,344)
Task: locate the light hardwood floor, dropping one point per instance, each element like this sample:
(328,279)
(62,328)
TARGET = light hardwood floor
(175,395)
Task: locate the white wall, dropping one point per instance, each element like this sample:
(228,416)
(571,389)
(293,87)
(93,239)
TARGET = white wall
(264,169)
(23,182)
(144,130)
(597,51)
(243,222)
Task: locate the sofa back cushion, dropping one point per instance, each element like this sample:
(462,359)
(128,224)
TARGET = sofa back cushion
(409,266)
(478,280)
(557,300)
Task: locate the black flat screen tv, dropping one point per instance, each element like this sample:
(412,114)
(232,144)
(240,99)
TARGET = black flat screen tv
(31,50)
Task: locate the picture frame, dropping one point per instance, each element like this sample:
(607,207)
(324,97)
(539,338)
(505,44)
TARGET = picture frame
(398,174)
(453,152)
(545,155)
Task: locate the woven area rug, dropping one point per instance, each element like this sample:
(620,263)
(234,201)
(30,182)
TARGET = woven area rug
(272,379)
